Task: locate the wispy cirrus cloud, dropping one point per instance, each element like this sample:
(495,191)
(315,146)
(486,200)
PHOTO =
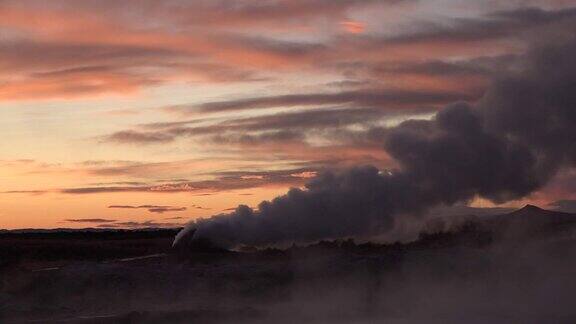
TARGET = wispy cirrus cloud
(200,207)
(224,181)
(200,41)
(385,99)
(124,55)
(285,126)
(134,137)
(151,208)
(142,224)
(219,182)
(91,220)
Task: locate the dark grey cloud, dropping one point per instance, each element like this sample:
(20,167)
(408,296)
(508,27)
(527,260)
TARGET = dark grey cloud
(299,120)
(127,206)
(566,205)
(488,66)
(287,49)
(144,224)
(93,190)
(268,176)
(200,207)
(132,137)
(172,180)
(164,209)
(120,183)
(366,98)
(151,208)
(223,181)
(274,137)
(501,24)
(149,223)
(280,127)
(175,218)
(505,147)
(32,192)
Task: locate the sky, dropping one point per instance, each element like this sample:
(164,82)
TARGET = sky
(152,113)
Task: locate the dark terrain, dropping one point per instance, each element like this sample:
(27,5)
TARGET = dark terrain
(511,268)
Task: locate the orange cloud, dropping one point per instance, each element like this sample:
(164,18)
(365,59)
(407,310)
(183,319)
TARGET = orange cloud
(71,86)
(353,27)
(204,43)
(183,45)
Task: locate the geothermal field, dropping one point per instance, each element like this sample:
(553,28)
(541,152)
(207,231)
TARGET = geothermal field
(516,267)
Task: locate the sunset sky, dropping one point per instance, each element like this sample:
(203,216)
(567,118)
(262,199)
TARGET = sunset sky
(152,113)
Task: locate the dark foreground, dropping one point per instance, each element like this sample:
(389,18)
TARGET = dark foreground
(513,268)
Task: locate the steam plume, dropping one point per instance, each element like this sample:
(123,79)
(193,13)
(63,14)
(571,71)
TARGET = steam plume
(509,144)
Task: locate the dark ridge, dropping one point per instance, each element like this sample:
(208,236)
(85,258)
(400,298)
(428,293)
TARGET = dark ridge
(90,233)
(531,211)
(530,207)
